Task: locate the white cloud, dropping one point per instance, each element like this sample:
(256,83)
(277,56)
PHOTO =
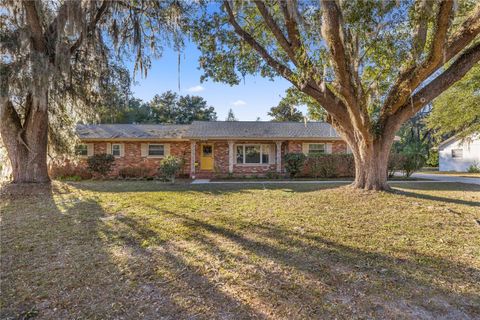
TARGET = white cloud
(239,103)
(198,88)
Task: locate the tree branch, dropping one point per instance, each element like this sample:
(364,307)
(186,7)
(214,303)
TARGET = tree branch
(454,73)
(275,29)
(326,98)
(98,15)
(35,27)
(288,9)
(335,37)
(416,74)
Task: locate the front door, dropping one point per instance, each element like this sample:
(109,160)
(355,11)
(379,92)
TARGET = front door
(206,157)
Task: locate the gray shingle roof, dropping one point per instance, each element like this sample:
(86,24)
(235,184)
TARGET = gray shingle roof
(131,131)
(210,130)
(260,129)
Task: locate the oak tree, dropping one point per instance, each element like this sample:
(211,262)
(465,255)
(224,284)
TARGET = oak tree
(371,65)
(55,55)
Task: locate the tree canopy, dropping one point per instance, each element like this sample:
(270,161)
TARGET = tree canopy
(285,112)
(371,65)
(56,56)
(168,107)
(457,110)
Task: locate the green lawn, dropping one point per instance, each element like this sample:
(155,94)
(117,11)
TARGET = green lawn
(132,250)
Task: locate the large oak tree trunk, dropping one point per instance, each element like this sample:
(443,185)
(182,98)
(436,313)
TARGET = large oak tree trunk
(371,168)
(371,158)
(26,144)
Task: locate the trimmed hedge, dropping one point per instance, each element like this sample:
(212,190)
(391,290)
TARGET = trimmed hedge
(134,172)
(329,165)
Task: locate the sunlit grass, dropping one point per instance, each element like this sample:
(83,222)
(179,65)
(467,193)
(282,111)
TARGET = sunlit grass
(146,249)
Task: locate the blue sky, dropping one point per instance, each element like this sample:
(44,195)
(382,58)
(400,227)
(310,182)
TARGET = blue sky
(248,100)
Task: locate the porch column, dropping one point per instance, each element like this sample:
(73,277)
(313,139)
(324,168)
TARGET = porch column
(230,156)
(279,156)
(193,145)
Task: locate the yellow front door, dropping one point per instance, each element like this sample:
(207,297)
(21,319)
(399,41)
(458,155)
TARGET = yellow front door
(206,157)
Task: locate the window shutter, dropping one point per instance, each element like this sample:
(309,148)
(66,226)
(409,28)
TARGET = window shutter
(271,156)
(305,148)
(166,148)
(328,148)
(89,149)
(122,150)
(109,148)
(144,149)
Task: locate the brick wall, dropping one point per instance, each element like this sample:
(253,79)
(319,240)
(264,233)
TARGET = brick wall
(181,149)
(133,156)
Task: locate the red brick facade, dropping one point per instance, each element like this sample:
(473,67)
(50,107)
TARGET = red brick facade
(132,156)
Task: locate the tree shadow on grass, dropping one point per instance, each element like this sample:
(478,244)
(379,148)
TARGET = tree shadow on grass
(61,259)
(216,189)
(356,282)
(402,190)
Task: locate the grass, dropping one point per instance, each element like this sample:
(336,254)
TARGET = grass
(131,250)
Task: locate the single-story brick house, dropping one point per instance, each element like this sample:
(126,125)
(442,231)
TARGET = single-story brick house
(209,148)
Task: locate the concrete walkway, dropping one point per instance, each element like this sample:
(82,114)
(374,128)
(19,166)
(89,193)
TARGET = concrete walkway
(447,178)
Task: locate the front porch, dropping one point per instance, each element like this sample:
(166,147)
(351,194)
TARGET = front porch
(211,158)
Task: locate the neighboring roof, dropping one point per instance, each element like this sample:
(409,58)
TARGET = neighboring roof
(459,136)
(260,129)
(131,131)
(209,130)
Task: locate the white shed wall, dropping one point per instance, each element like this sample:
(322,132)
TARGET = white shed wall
(471,155)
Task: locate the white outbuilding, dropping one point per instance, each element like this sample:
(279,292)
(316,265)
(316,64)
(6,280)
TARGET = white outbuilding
(458,154)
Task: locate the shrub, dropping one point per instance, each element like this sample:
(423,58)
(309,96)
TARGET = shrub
(101,163)
(415,158)
(432,160)
(323,166)
(66,170)
(396,161)
(169,167)
(133,172)
(474,168)
(272,175)
(294,163)
(330,165)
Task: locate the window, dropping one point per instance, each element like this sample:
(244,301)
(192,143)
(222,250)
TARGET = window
(116,150)
(81,150)
(240,154)
(265,153)
(156,150)
(457,153)
(252,153)
(316,148)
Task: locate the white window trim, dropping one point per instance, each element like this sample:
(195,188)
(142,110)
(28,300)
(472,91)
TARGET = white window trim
(457,149)
(324,148)
(80,155)
(261,163)
(156,156)
(119,149)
